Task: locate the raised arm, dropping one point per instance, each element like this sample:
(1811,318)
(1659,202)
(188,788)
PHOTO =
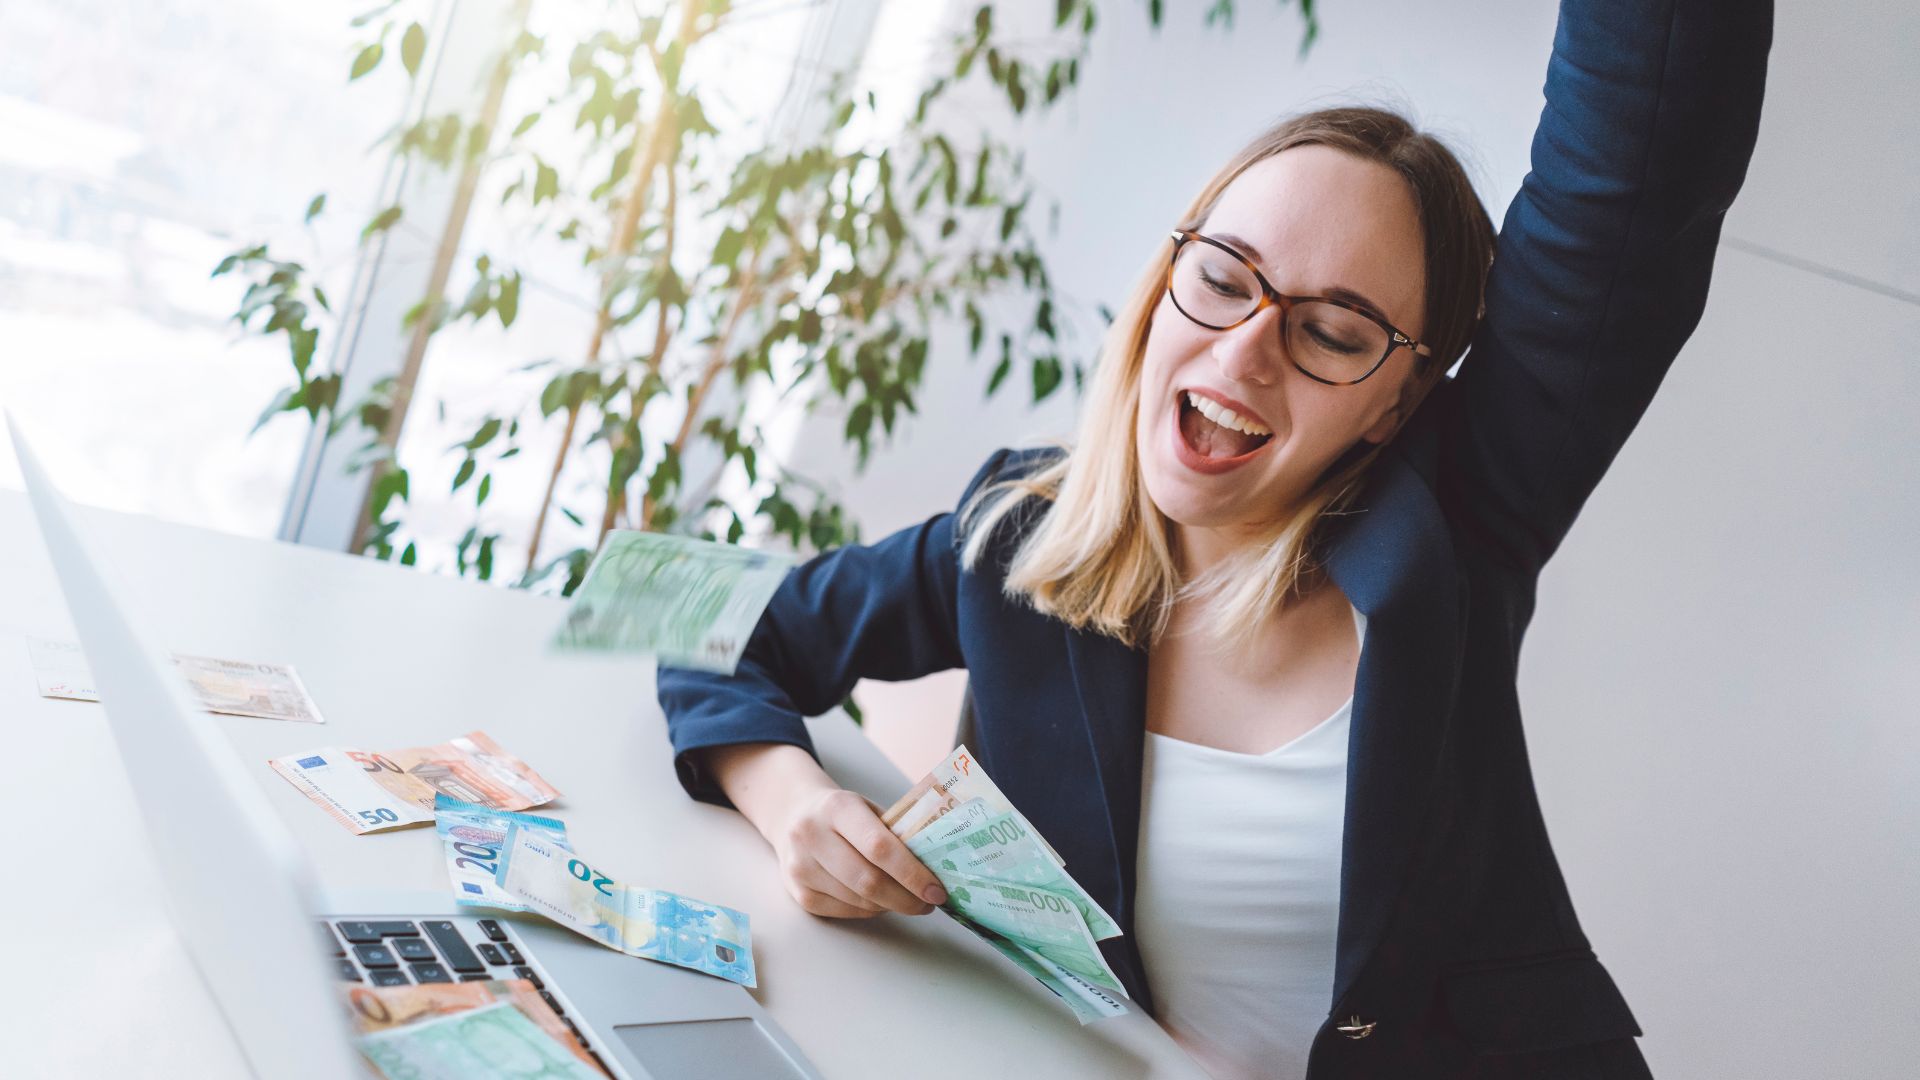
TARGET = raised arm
(1602,265)
(884,611)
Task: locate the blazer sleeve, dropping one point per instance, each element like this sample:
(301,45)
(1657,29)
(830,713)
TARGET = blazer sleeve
(882,611)
(1602,264)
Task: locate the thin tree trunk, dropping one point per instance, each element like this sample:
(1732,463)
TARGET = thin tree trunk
(437,281)
(622,245)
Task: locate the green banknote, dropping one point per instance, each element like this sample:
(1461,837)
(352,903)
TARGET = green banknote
(550,880)
(491,1043)
(1088,1002)
(1043,923)
(690,603)
(1002,848)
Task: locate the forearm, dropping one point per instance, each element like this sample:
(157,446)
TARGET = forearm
(765,781)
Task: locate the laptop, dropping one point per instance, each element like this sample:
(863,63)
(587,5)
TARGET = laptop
(274,950)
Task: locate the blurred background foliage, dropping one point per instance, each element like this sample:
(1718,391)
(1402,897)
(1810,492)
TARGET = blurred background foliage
(741,274)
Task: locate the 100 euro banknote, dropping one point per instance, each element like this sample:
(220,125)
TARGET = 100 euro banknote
(653,924)
(383,1008)
(367,792)
(473,836)
(690,603)
(493,1042)
(955,782)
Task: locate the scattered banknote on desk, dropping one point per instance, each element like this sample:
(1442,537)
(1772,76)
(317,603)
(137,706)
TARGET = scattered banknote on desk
(368,792)
(385,1008)
(690,603)
(473,836)
(1007,885)
(545,877)
(234,687)
(493,1042)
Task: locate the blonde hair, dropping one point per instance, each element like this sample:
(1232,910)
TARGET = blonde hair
(1100,555)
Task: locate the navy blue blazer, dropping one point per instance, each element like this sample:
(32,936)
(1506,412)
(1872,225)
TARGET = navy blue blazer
(1456,939)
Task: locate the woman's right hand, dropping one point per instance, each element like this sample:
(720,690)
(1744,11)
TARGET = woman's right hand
(837,858)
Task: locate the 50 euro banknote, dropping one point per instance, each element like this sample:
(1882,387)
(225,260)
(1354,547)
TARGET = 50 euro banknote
(367,791)
(234,687)
(548,879)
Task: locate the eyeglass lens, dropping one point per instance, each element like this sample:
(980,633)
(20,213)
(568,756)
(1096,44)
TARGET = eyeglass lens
(1217,290)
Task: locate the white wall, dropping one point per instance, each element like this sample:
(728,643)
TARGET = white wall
(1720,683)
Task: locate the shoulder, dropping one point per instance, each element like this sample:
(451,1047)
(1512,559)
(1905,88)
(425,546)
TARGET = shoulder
(994,500)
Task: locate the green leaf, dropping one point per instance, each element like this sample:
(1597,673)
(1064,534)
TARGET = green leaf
(381,222)
(318,204)
(465,474)
(571,516)
(1046,376)
(320,297)
(976,329)
(409,556)
(526,123)
(546,183)
(413,46)
(484,563)
(484,435)
(485,489)
(1000,373)
(368,59)
(508,304)
(1062,11)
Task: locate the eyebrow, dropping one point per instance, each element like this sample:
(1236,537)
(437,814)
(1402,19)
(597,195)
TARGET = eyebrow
(1337,292)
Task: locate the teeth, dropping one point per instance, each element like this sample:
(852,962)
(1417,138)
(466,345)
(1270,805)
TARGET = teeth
(1224,416)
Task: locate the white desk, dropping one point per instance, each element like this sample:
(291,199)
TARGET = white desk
(101,985)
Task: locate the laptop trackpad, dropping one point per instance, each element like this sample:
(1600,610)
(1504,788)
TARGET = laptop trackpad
(707,1050)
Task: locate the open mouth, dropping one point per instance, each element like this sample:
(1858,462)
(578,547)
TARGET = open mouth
(1214,432)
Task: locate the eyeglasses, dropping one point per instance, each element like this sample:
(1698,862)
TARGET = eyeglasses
(1330,341)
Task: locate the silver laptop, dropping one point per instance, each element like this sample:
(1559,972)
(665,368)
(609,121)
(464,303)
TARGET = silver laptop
(273,949)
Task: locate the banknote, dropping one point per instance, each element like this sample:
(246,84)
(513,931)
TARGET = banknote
(952,783)
(493,1041)
(473,836)
(382,1008)
(690,603)
(234,687)
(1004,849)
(367,792)
(650,923)
(61,669)
(1041,922)
(1088,1002)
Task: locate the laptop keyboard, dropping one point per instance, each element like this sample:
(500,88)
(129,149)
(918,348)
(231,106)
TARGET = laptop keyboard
(404,953)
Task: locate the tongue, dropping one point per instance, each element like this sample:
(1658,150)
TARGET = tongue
(1209,439)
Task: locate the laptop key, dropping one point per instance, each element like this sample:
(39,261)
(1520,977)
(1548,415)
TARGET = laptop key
(513,954)
(413,950)
(491,928)
(359,933)
(348,971)
(530,975)
(389,978)
(459,954)
(552,1003)
(376,956)
(397,928)
(482,977)
(430,973)
(491,954)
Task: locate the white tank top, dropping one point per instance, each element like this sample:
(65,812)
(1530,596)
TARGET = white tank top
(1238,894)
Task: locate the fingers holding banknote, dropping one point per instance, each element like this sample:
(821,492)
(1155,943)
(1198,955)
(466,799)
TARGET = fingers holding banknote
(841,861)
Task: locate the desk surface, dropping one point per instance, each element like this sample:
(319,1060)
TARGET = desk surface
(395,657)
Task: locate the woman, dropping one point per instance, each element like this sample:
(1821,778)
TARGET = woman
(1245,655)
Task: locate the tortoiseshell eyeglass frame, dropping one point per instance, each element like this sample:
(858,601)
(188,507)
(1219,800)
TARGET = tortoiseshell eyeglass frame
(1272,297)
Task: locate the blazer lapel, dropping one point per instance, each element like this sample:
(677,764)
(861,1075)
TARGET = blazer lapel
(1393,557)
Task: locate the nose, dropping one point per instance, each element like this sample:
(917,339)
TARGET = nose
(1251,352)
